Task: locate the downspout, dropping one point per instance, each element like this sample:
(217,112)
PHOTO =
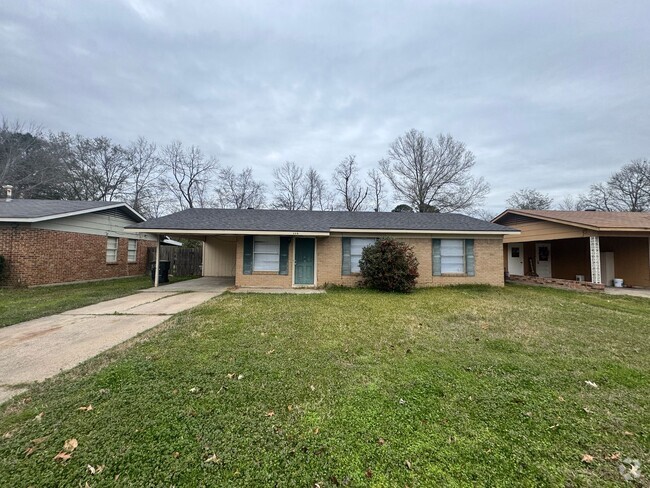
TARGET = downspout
(157,270)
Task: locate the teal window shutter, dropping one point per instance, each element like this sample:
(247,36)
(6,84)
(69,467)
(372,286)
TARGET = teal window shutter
(346,265)
(284,255)
(469,257)
(436,261)
(248,254)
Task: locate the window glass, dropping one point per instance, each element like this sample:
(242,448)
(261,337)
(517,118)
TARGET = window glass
(133,250)
(266,253)
(356,247)
(111,249)
(452,256)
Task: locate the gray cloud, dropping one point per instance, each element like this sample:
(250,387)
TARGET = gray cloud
(553,95)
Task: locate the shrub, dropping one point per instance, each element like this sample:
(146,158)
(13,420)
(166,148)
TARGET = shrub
(389,265)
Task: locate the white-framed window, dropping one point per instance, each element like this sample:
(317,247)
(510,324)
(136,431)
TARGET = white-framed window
(452,256)
(111,249)
(133,250)
(356,248)
(266,253)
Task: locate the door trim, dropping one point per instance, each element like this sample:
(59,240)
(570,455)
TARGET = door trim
(293,260)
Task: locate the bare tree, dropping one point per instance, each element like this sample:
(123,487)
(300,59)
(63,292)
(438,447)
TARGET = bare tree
(317,196)
(376,185)
(627,190)
(346,183)
(433,176)
(568,203)
(483,214)
(289,187)
(529,199)
(190,172)
(239,190)
(146,169)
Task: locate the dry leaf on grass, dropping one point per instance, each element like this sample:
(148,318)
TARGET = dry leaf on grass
(587,458)
(615,456)
(70,445)
(176,454)
(39,417)
(312,387)
(381,441)
(591,383)
(86,409)
(271,351)
(93,470)
(270,413)
(240,377)
(408,464)
(62,456)
(368,473)
(212,459)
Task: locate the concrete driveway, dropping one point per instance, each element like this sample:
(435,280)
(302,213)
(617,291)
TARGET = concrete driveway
(40,348)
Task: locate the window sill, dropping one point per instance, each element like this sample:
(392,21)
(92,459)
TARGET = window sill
(266,273)
(112,262)
(453,275)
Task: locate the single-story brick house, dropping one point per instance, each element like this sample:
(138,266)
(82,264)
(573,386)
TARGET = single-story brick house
(59,241)
(569,245)
(284,249)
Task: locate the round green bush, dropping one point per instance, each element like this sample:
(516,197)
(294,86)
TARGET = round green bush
(389,265)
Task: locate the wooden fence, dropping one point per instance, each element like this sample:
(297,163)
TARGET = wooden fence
(184,261)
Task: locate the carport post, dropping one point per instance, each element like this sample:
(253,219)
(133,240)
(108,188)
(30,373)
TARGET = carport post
(157,270)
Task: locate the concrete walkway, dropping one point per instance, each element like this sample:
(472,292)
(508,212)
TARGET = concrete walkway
(41,348)
(633,292)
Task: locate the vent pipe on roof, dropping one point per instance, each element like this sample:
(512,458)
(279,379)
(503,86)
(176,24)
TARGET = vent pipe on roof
(9,189)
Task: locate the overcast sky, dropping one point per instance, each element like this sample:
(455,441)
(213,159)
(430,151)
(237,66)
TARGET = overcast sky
(553,95)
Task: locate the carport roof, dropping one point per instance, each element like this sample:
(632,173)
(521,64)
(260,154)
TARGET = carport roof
(247,221)
(587,219)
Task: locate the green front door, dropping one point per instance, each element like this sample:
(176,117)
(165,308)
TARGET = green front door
(304,269)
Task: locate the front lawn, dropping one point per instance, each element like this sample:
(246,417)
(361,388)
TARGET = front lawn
(20,304)
(466,386)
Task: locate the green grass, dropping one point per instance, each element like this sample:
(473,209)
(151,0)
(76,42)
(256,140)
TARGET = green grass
(20,304)
(492,383)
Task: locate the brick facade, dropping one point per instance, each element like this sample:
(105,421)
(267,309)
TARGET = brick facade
(488,254)
(40,257)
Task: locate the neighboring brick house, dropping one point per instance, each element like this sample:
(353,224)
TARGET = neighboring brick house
(58,241)
(284,249)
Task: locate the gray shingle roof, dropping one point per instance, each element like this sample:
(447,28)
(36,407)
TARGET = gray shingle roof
(197,219)
(27,210)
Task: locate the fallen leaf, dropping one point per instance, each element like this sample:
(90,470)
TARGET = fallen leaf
(591,383)
(528,414)
(271,351)
(240,377)
(615,456)
(587,458)
(29,451)
(312,387)
(408,464)
(9,434)
(368,473)
(62,456)
(402,401)
(381,441)
(70,445)
(628,433)
(86,409)
(561,398)
(231,375)
(316,430)
(176,454)
(39,417)
(91,469)
(40,440)
(213,459)
(194,390)
(587,410)
(553,427)
(270,413)
(289,408)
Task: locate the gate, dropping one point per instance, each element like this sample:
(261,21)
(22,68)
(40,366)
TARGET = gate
(183,261)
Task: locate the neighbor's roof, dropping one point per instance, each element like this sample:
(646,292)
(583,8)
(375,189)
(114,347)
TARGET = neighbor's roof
(221,221)
(594,220)
(26,210)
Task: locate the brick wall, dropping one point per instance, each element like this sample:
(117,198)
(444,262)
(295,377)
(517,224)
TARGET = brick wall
(488,269)
(488,255)
(40,257)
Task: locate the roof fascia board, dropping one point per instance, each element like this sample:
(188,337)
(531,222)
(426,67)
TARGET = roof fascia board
(433,231)
(548,219)
(228,232)
(71,214)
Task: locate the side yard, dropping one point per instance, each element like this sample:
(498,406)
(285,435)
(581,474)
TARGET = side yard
(465,386)
(21,304)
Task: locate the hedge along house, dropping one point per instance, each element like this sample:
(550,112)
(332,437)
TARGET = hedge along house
(595,246)
(58,241)
(284,249)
